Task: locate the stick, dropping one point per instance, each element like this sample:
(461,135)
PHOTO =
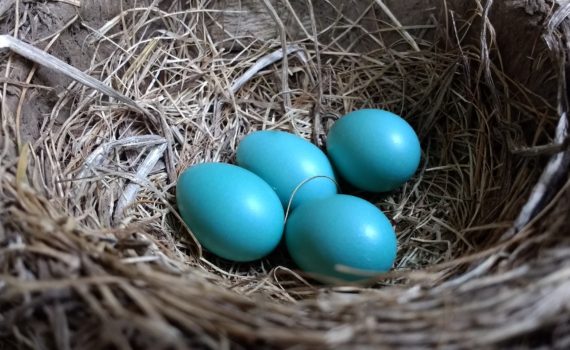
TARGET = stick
(282,35)
(556,168)
(397,23)
(316,111)
(76,3)
(40,57)
(264,62)
(97,157)
(130,193)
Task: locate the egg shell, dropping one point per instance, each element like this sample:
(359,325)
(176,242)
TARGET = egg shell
(232,212)
(284,161)
(340,230)
(374,150)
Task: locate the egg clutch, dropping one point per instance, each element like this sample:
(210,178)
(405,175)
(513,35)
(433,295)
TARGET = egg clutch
(238,211)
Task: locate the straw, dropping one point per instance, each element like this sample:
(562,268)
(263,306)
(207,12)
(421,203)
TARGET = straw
(94,254)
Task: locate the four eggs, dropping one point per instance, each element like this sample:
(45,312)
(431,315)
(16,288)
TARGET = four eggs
(238,212)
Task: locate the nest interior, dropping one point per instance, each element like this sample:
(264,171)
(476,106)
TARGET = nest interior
(93,254)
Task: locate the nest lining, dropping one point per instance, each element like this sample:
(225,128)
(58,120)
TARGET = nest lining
(79,240)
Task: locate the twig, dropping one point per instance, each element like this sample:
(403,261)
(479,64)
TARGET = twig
(59,31)
(24,85)
(101,153)
(264,62)
(96,157)
(399,26)
(285,68)
(556,168)
(42,58)
(316,111)
(76,3)
(548,149)
(130,193)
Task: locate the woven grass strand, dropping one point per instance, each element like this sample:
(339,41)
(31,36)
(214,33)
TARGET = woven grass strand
(300,185)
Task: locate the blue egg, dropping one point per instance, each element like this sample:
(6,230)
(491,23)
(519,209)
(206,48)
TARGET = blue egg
(341,230)
(284,161)
(374,150)
(232,212)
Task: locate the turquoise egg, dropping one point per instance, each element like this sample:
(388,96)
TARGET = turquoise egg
(232,212)
(284,161)
(374,150)
(341,230)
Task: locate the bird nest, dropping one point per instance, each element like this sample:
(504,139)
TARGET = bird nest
(94,254)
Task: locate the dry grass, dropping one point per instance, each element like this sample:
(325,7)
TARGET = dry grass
(93,253)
